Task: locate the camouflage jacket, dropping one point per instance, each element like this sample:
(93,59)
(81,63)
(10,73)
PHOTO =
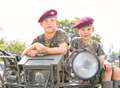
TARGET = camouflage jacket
(95,47)
(58,38)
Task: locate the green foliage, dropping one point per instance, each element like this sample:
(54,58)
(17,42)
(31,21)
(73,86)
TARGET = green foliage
(12,46)
(16,47)
(66,25)
(97,38)
(2,43)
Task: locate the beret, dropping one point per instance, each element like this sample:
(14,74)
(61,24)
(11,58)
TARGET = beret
(47,14)
(86,21)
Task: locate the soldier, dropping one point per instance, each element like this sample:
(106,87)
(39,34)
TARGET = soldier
(85,29)
(53,41)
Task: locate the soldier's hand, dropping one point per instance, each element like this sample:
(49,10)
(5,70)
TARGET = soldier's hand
(39,47)
(25,51)
(32,53)
(107,66)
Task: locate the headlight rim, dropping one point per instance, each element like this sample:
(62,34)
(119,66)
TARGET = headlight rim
(80,51)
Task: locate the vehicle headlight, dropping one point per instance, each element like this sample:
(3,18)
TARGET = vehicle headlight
(85,65)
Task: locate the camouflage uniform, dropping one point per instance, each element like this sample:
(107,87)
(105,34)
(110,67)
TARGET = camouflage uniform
(94,47)
(59,37)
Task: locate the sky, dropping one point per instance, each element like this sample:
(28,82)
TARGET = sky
(19,18)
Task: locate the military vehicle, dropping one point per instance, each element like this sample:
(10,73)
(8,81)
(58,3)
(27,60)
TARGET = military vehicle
(51,71)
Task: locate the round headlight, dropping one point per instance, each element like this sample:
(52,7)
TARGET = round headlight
(85,65)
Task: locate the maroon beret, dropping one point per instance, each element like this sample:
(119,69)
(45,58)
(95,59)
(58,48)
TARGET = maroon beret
(86,21)
(47,14)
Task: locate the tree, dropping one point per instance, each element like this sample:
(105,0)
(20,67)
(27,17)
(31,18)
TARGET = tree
(97,37)
(2,43)
(15,47)
(66,25)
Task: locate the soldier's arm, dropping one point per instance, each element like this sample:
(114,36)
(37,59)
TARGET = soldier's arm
(106,65)
(74,44)
(101,54)
(31,49)
(27,50)
(102,59)
(61,49)
(63,43)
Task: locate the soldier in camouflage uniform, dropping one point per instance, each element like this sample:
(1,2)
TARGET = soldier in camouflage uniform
(85,29)
(53,41)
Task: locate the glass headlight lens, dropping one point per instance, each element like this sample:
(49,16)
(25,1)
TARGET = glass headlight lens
(85,65)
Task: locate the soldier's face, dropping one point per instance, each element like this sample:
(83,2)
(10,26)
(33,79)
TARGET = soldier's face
(86,32)
(49,24)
